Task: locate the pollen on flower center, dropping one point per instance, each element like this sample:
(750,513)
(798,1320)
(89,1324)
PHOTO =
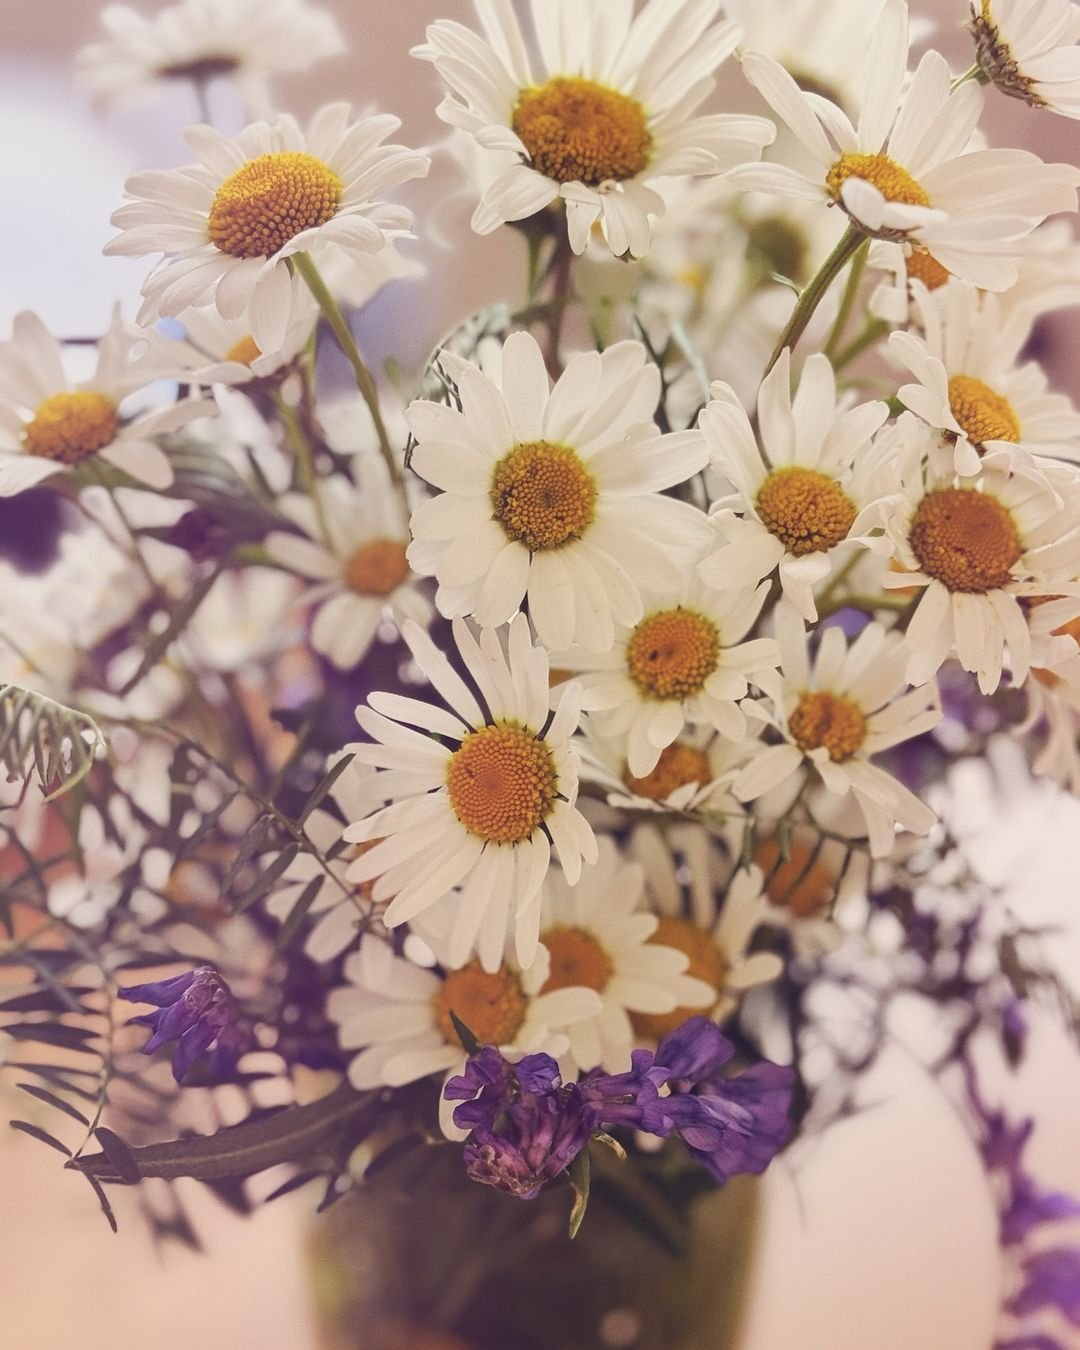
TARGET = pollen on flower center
(983,414)
(542,495)
(801,883)
(892,180)
(678,765)
(923,266)
(577,959)
(577,131)
(707,962)
(269,200)
(377,567)
(673,653)
(828,721)
(71,427)
(965,539)
(492,1006)
(245,351)
(807,511)
(502,782)
(996,60)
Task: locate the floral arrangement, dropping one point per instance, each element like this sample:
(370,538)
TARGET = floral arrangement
(490,773)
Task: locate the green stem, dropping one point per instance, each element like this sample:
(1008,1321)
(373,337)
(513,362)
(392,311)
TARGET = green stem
(305,458)
(815,291)
(974,72)
(873,331)
(847,302)
(332,313)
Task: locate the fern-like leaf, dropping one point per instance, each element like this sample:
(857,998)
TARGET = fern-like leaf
(38,735)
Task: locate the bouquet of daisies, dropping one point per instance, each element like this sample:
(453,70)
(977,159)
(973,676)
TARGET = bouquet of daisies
(489,772)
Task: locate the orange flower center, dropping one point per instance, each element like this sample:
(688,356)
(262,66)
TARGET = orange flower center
(245,351)
(377,567)
(72,427)
(673,653)
(828,720)
(801,884)
(270,200)
(924,267)
(491,1006)
(542,495)
(892,180)
(678,765)
(805,510)
(577,131)
(502,782)
(707,962)
(965,539)
(983,414)
(576,959)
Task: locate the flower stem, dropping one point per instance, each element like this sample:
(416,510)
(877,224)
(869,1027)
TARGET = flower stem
(332,313)
(305,457)
(815,290)
(974,73)
(847,302)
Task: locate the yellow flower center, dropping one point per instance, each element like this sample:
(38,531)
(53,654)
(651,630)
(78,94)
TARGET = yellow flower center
(892,180)
(577,131)
(828,720)
(673,653)
(491,1006)
(245,351)
(801,884)
(576,959)
(924,267)
(707,962)
(983,414)
(542,495)
(807,511)
(965,539)
(502,782)
(678,765)
(71,427)
(270,200)
(377,567)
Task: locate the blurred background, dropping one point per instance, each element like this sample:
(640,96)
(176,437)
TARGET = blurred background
(878,1236)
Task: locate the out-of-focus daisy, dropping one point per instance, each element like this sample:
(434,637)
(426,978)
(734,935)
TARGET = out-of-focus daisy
(554,493)
(970,386)
(1027,48)
(905,172)
(707,910)
(685,663)
(598,934)
(606,110)
(838,712)
(479,796)
(242,620)
(246,41)
(1053,714)
(978,549)
(397,1013)
(228,224)
(802,502)
(49,423)
(359,564)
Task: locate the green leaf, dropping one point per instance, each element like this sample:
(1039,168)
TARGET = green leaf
(324,787)
(178,621)
(41,736)
(265,880)
(119,1154)
(298,913)
(51,1099)
(35,1132)
(469,1042)
(579,1173)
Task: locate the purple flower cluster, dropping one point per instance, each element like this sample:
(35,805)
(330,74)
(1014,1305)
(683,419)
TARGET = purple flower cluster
(526,1126)
(198,1012)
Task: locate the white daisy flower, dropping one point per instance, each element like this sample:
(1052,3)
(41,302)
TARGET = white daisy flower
(800,495)
(597,934)
(554,494)
(479,795)
(997,413)
(905,171)
(684,664)
(229,224)
(708,910)
(359,565)
(978,548)
(242,621)
(1053,713)
(605,111)
(397,1013)
(1028,49)
(49,423)
(245,41)
(838,712)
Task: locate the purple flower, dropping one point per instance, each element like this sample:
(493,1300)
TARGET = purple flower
(198,1011)
(1037,1342)
(1030,1205)
(1051,1280)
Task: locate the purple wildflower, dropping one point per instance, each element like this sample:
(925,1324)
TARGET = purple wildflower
(1036,1342)
(198,1011)
(1051,1280)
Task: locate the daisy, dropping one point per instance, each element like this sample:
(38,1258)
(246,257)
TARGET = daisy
(49,424)
(553,494)
(799,496)
(838,712)
(245,41)
(997,413)
(597,934)
(684,664)
(606,110)
(479,795)
(905,171)
(1053,712)
(977,549)
(1027,48)
(242,621)
(229,224)
(359,564)
(397,1013)
(708,910)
